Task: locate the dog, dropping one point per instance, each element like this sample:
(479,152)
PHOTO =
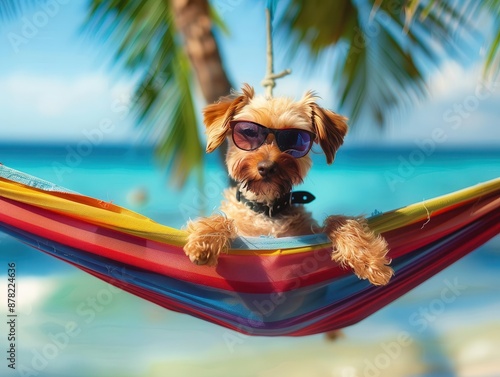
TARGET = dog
(268,154)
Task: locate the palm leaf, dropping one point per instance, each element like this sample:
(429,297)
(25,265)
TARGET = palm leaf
(469,11)
(147,42)
(492,63)
(492,60)
(378,69)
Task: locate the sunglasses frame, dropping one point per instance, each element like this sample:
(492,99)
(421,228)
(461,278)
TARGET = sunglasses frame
(273,131)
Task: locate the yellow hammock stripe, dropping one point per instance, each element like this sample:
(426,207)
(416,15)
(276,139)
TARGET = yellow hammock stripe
(112,216)
(420,211)
(93,211)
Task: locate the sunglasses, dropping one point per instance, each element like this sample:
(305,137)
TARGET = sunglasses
(250,136)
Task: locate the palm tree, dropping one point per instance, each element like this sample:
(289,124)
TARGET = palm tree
(146,34)
(382,51)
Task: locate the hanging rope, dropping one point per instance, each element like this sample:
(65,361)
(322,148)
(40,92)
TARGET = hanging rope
(269,81)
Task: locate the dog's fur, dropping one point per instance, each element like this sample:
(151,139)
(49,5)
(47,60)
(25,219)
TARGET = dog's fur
(354,245)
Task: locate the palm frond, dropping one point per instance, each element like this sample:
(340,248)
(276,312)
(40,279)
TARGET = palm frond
(218,21)
(468,11)
(319,24)
(492,61)
(381,69)
(147,42)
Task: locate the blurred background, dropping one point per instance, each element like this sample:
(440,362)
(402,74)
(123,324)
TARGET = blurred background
(104,98)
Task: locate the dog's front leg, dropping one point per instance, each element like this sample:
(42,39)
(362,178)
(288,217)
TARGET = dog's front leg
(355,245)
(208,237)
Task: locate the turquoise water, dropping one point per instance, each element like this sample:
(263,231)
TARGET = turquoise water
(131,337)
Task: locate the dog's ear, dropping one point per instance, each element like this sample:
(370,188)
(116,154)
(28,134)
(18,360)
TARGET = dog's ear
(218,115)
(330,129)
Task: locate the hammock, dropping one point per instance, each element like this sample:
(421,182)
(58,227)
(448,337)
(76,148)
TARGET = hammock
(263,286)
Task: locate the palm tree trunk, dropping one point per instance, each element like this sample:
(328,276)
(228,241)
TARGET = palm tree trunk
(192,19)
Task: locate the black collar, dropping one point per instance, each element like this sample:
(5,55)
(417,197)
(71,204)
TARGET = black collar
(279,205)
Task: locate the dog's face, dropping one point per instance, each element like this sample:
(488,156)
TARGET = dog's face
(268,137)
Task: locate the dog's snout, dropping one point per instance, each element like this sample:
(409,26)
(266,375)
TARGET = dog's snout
(265,168)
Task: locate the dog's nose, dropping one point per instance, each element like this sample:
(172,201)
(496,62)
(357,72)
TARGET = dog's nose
(266,168)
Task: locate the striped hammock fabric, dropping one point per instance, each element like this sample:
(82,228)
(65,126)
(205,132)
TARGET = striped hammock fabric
(263,286)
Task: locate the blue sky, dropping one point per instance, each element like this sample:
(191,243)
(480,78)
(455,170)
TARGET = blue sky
(57,84)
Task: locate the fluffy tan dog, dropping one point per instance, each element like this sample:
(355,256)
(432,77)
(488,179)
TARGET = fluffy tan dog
(269,144)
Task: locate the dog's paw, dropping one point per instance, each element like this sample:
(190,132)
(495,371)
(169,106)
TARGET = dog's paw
(364,264)
(377,273)
(201,252)
(209,237)
(357,247)
(367,260)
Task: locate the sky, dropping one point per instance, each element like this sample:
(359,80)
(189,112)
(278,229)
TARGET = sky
(58,84)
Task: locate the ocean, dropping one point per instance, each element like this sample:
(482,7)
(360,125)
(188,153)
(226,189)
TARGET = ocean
(417,335)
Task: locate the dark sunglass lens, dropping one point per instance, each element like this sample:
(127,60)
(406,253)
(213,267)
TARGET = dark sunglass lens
(249,136)
(294,142)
